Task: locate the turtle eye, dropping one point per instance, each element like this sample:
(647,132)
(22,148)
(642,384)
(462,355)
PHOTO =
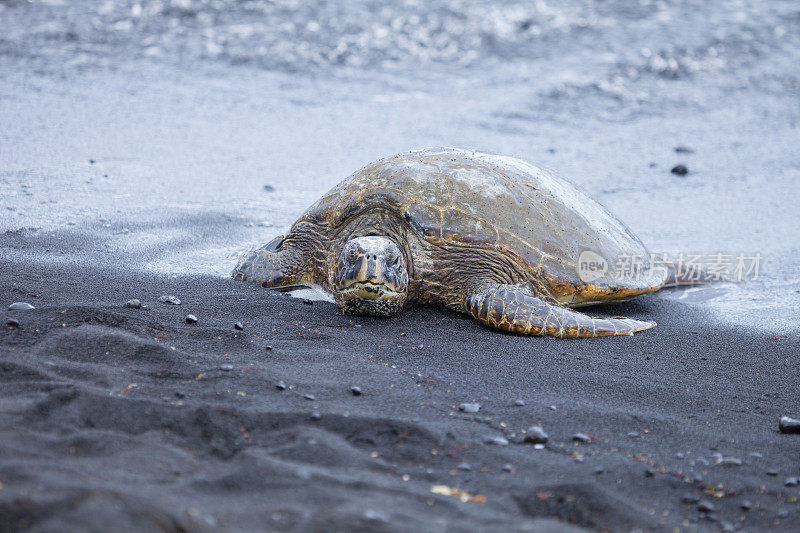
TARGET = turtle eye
(350,254)
(392,257)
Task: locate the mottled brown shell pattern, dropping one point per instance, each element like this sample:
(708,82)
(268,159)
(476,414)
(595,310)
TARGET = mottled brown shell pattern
(468,198)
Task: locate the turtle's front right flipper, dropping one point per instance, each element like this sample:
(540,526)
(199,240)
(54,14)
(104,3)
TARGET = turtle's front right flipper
(277,264)
(515,309)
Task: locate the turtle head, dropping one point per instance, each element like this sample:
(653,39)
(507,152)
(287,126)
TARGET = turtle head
(370,277)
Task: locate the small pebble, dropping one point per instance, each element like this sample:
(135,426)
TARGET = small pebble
(756,454)
(745,505)
(315,415)
(226,367)
(792,482)
(134,303)
(238,326)
(633,434)
(680,170)
(772,472)
(649,473)
(309,397)
(789,425)
(599,470)
(171,300)
(269,188)
(499,441)
(464,466)
(552,407)
(469,407)
(356,391)
(783,513)
(508,467)
(180,394)
(267,347)
(536,435)
(683,150)
(519,403)
(308,302)
(581,437)
(191,319)
(731,461)
(690,498)
(12,322)
(679,455)
(726,527)
(706,506)
(280,385)
(20,306)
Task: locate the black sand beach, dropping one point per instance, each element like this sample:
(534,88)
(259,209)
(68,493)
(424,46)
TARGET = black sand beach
(121,419)
(143,145)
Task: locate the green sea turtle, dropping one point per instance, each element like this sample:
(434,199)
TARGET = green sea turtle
(495,237)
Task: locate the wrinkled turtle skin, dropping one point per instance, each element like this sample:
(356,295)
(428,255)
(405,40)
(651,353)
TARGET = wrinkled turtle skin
(488,235)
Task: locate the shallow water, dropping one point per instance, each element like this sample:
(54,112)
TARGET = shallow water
(150,129)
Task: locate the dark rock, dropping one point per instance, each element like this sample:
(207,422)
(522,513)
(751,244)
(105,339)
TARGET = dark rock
(280,385)
(308,302)
(191,319)
(683,150)
(649,473)
(134,303)
(20,306)
(599,470)
(269,188)
(690,498)
(267,347)
(309,397)
(772,472)
(792,482)
(680,170)
(582,438)
(180,394)
(499,441)
(238,326)
(789,425)
(536,435)
(464,466)
(519,403)
(91,161)
(745,505)
(226,367)
(706,506)
(469,407)
(356,391)
(12,322)
(168,299)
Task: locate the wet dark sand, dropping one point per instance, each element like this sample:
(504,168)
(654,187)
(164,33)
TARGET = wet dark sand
(123,419)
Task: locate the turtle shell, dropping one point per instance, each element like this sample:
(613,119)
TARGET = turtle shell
(473,199)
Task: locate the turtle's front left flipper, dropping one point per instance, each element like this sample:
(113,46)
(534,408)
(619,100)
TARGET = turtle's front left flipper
(278,265)
(515,309)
